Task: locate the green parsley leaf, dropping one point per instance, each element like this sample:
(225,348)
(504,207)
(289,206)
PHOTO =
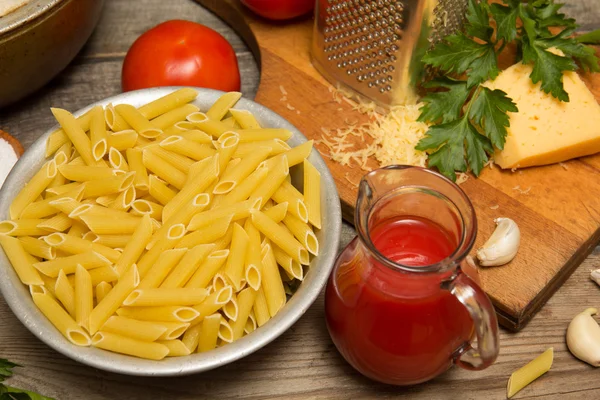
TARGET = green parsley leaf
(489,110)
(6,369)
(444,106)
(479,21)
(506,21)
(10,393)
(584,54)
(448,139)
(483,68)
(592,37)
(477,148)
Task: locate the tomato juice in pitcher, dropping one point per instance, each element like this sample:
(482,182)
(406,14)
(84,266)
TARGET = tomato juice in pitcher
(398,307)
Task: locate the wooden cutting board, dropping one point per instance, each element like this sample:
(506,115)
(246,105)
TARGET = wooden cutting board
(557,207)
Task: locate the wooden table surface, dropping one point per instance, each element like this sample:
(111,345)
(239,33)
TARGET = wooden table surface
(303,362)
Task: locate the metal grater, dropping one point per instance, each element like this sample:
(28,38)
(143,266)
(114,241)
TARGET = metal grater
(373,48)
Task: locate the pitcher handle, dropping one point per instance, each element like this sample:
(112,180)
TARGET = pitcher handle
(484,319)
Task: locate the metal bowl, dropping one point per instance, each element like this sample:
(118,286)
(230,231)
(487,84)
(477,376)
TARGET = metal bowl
(39,39)
(19,300)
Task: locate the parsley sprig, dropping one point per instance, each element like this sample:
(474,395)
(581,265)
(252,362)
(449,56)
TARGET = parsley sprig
(470,120)
(11,393)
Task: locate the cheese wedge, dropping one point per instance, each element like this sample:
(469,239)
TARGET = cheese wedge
(546,130)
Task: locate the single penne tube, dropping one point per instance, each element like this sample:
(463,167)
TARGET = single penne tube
(231,309)
(135,247)
(227,148)
(103,187)
(197,184)
(254,135)
(40,209)
(78,229)
(122,140)
(225,331)
(175,129)
(243,189)
(114,121)
(65,293)
(281,237)
(296,155)
(68,264)
(261,308)
(174,330)
(84,294)
(213,303)
(59,223)
(112,241)
(207,270)
(60,158)
(205,124)
(125,345)
(103,274)
(116,160)
(234,268)
(219,282)
(102,290)
(33,189)
(84,173)
(146,331)
(167,103)
(98,135)
(123,200)
(170,118)
(277,213)
(274,179)
(37,247)
(312,194)
(79,162)
(245,302)
(271,282)
(292,267)
(62,190)
(113,300)
(188,148)
(209,234)
(244,118)
(65,324)
(59,137)
(142,207)
(161,192)
(529,372)
(20,260)
(23,227)
(236,211)
(163,169)
(49,284)
(224,241)
(182,216)
(276,147)
(65,204)
(191,337)
(296,206)
(253,260)
(250,324)
(161,268)
(187,266)
(76,135)
(303,233)
(165,297)
(291,190)
(207,340)
(230,122)
(160,313)
(178,161)
(197,136)
(176,348)
(136,163)
(104,225)
(174,235)
(220,107)
(137,121)
(241,171)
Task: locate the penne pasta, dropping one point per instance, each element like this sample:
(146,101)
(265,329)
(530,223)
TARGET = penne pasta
(76,135)
(117,161)
(112,241)
(171,117)
(174,234)
(253,262)
(234,268)
(220,107)
(241,171)
(303,233)
(280,236)
(161,192)
(213,303)
(188,148)
(76,245)
(250,324)
(268,186)
(271,282)
(98,135)
(292,267)
(59,223)
(113,300)
(129,346)
(64,292)
(245,302)
(243,190)
(20,260)
(78,229)
(103,187)
(191,337)
(144,207)
(244,118)
(137,121)
(196,136)
(255,135)
(146,331)
(231,309)
(61,320)
(165,297)
(236,211)
(215,233)
(167,103)
(88,260)
(37,247)
(296,205)
(104,225)
(160,313)
(161,268)
(294,155)
(312,194)
(58,138)
(275,146)
(33,189)
(182,215)
(136,163)
(174,330)
(114,121)
(530,372)
(102,290)
(124,200)
(207,340)
(212,127)
(261,308)
(207,270)
(187,266)
(122,140)
(176,348)
(84,294)
(84,173)
(225,332)
(163,169)
(277,213)
(182,163)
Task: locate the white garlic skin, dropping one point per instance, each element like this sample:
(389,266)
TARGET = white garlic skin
(502,246)
(583,337)
(595,276)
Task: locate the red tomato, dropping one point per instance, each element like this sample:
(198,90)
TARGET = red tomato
(181,53)
(280,9)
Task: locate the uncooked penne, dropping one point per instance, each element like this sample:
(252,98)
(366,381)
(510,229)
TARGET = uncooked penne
(187,266)
(167,103)
(84,173)
(220,107)
(303,233)
(275,177)
(237,211)
(244,118)
(161,192)
(98,135)
(33,189)
(207,270)
(165,297)
(234,268)
(213,303)
(102,290)
(254,135)
(37,247)
(171,117)
(312,194)
(136,163)
(529,372)
(182,215)
(188,148)
(245,302)
(272,285)
(122,140)
(174,234)
(136,245)
(163,169)
(160,313)
(84,294)
(57,315)
(137,121)
(207,339)
(22,264)
(76,135)
(64,292)
(146,331)
(129,346)
(161,268)
(281,237)
(59,137)
(68,264)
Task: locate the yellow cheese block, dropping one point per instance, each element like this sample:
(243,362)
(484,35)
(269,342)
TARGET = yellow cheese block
(546,130)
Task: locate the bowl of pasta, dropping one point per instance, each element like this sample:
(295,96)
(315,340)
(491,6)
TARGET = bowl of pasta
(166,231)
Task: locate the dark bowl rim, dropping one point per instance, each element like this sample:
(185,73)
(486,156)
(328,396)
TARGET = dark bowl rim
(44,7)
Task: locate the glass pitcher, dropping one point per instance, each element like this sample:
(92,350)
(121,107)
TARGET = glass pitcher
(398,306)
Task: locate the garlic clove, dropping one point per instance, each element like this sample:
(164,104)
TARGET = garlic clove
(583,337)
(502,246)
(595,275)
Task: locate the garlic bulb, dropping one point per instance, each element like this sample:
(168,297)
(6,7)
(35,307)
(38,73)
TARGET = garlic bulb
(595,275)
(502,246)
(583,337)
